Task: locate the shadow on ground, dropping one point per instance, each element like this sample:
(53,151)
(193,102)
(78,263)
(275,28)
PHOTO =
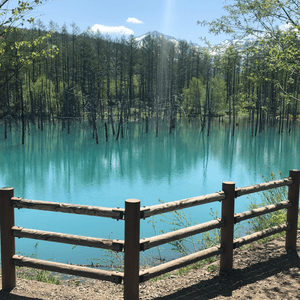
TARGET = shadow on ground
(225,284)
(4,295)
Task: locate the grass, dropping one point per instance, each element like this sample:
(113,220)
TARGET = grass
(39,275)
(35,274)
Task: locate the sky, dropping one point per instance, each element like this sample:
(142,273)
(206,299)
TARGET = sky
(177,18)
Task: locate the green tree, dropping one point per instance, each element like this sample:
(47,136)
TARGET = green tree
(218,95)
(13,44)
(194,97)
(273,24)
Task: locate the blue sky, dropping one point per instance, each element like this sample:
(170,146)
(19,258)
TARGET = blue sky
(177,18)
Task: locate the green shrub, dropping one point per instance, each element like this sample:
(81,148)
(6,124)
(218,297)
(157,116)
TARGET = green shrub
(269,197)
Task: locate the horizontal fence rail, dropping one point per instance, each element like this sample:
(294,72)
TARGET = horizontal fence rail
(179,263)
(180,234)
(115,213)
(78,240)
(23,261)
(259,235)
(181,204)
(261,211)
(263,186)
(132,244)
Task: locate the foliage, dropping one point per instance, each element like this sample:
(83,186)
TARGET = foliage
(93,77)
(39,275)
(115,260)
(109,259)
(267,198)
(178,220)
(218,95)
(274,26)
(252,17)
(159,257)
(16,48)
(194,95)
(185,246)
(12,17)
(212,268)
(212,237)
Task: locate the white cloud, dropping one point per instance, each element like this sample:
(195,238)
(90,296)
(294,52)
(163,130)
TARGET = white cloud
(287,27)
(112,29)
(134,20)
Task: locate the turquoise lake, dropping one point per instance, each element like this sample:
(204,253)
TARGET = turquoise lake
(71,168)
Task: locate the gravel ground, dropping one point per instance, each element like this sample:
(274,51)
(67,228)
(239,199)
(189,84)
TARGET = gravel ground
(263,271)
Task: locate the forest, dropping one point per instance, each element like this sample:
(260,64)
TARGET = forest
(49,73)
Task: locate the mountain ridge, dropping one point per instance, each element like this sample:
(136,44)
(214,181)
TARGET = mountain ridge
(223,45)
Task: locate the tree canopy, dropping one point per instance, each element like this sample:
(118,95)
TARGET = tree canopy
(15,50)
(256,17)
(273,25)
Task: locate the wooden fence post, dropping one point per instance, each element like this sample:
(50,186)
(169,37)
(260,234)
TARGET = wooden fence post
(226,258)
(7,216)
(132,249)
(292,211)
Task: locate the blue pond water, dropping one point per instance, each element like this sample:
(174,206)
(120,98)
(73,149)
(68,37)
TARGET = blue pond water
(71,168)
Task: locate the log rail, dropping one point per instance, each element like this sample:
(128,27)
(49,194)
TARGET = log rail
(115,213)
(132,244)
(115,245)
(23,261)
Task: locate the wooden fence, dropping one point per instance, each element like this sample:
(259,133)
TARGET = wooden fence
(132,244)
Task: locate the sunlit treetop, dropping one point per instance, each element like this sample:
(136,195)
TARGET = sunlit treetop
(23,52)
(274,26)
(18,15)
(255,17)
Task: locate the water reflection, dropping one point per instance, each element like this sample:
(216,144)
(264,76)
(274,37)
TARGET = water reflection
(56,166)
(55,158)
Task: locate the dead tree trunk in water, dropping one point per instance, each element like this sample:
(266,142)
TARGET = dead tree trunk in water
(31,100)
(120,122)
(106,136)
(5,116)
(147,124)
(156,118)
(22,116)
(8,107)
(208,97)
(94,116)
(112,124)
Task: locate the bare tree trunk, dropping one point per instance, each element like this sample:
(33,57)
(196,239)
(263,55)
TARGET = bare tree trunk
(157,117)
(22,116)
(106,131)
(120,122)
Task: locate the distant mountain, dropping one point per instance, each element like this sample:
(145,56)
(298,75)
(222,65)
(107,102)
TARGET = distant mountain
(240,43)
(158,35)
(217,49)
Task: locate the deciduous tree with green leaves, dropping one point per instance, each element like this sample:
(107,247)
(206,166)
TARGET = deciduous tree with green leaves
(274,24)
(17,50)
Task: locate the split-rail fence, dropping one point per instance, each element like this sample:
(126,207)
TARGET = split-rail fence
(132,244)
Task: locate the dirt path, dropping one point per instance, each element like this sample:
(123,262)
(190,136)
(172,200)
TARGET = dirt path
(264,271)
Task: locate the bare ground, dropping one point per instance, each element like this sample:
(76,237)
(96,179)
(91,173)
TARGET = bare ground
(263,271)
